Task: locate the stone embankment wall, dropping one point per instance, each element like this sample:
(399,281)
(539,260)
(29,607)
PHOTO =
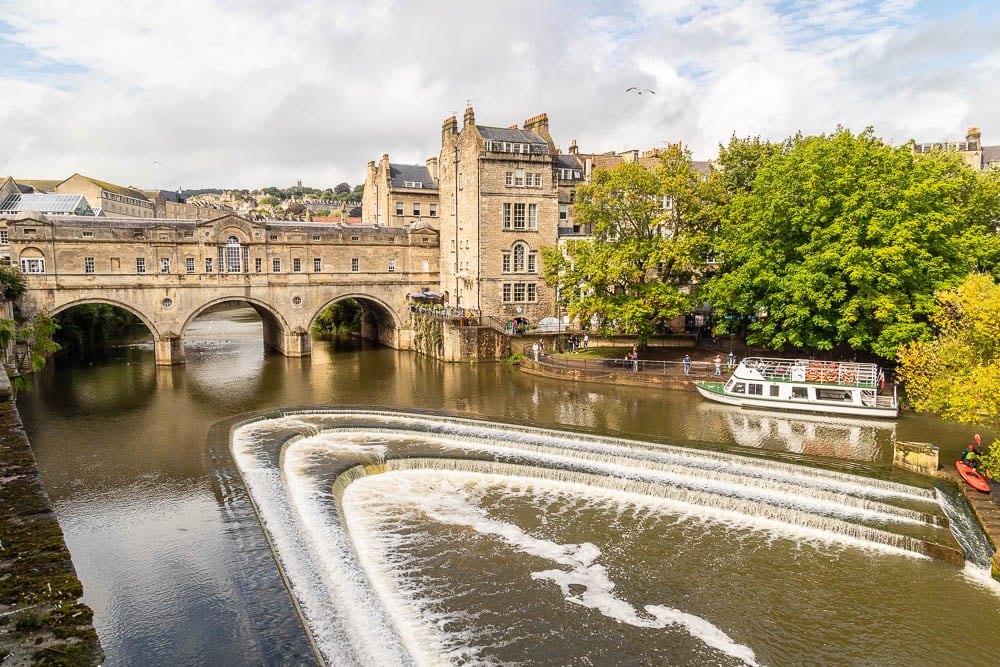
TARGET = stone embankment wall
(448,341)
(42,620)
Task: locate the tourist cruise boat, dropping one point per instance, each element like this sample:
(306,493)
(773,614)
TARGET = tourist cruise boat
(803,385)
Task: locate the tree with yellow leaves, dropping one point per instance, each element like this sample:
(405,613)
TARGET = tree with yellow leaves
(957,374)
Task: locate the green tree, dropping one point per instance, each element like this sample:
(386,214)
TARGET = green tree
(341,317)
(342,189)
(842,241)
(270,200)
(957,373)
(648,241)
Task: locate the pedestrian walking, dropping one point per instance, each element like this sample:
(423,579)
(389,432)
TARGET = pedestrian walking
(534,349)
(635,360)
(586,342)
(718,364)
(687,364)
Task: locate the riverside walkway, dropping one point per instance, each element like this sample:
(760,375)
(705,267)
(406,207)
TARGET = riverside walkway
(621,371)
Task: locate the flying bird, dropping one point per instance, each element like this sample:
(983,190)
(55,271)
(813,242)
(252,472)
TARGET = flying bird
(640,91)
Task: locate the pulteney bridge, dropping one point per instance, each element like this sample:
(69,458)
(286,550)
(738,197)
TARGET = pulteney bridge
(167,272)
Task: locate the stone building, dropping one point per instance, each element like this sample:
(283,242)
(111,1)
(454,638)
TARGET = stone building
(113,201)
(397,194)
(500,205)
(977,156)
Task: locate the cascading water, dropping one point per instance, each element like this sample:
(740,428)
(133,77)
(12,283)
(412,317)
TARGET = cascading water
(424,539)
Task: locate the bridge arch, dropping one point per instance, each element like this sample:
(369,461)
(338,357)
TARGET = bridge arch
(379,320)
(153,329)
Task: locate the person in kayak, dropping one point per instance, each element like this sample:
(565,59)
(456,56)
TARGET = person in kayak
(971,456)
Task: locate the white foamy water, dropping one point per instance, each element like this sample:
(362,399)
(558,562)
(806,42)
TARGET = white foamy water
(583,580)
(310,476)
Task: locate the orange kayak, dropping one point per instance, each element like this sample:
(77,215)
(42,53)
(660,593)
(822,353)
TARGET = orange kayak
(970,475)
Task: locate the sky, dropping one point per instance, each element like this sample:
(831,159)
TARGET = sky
(252,93)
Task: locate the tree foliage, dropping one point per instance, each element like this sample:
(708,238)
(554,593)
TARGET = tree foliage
(957,374)
(841,240)
(340,317)
(648,241)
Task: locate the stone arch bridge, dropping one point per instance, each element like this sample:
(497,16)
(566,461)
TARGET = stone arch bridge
(167,272)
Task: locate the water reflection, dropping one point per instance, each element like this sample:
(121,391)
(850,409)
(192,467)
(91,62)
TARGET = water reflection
(147,507)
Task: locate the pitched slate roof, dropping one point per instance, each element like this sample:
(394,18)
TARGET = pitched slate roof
(990,154)
(513,136)
(111,187)
(568,162)
(400,174)
(36,185)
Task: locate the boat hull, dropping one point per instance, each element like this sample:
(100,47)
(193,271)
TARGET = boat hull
(713,392)
(972,477)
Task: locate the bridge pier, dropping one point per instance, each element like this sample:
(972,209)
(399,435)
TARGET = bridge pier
(289,343)
(168,350)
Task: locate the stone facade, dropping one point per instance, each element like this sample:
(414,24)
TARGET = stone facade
(400,194)
(169,271)
(114,200)
(500,202)
(977,156)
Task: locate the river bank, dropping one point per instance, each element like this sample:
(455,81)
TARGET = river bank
(42,620)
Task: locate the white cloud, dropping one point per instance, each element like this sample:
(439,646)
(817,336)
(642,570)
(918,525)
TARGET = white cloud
(264,92)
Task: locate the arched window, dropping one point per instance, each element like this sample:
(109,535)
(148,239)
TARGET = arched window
(232,255)
(32,261)
(519,258)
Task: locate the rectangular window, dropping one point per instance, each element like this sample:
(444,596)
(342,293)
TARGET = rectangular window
(258,264)
(391,239)
(755,389)
(538,180)
(531,291)
(518,292)
(506,215)
(519,217)
(33,265)
(510,179)
(88,264)
(297,265)
(434,210)
(518,178)
(317,265)
(276,265)
(399,208)
(506,293)
(273,237)
(563,212)
(189,264)
(531,262)
(506,262)
(775,390)
(4,239)
(86,235)
(392,265)
(208,265)
(164,265)
(358,238)
(532,216)
(140,264)
(355,264)
(416,209)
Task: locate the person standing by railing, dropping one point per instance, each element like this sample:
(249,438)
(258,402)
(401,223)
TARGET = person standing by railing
(718,364)
(687,365)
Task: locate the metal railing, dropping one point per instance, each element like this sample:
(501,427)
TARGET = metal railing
(702,370)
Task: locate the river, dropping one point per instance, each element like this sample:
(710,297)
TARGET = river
(490,552)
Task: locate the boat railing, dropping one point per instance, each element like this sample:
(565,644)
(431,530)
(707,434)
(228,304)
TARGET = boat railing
(821,372)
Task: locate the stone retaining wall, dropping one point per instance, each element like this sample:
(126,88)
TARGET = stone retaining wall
(42,620)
